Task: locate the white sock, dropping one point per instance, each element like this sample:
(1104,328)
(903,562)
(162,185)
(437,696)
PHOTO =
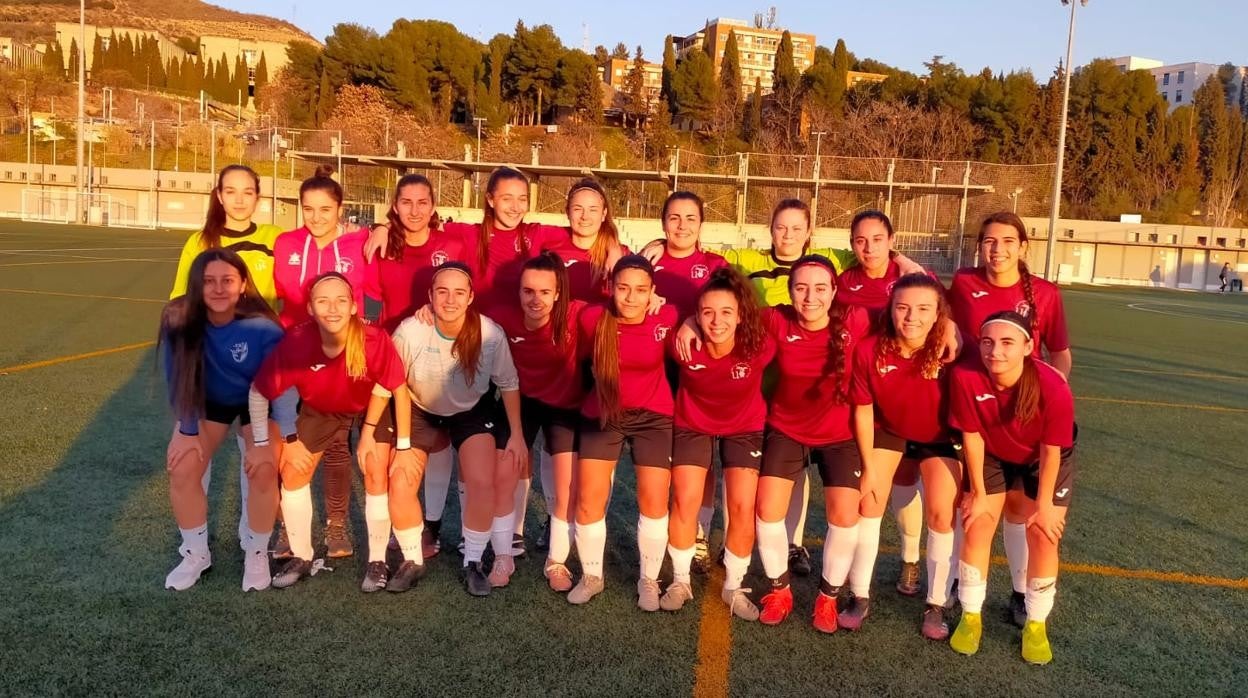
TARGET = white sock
(799,502)
(940,559)
(734,569)
(257,542)
(297,517)
(906,503)
(591,538)
(651,543)
(409,543)
(560,540)
(773,547)
(972,588)
(501,533)
(865,552)
(705,515)
(681,561)
(838,553)
(474,544)
(546,471)
(377,516)
(1015,535)
(520,503)
(1040,594)
(437,483)
(194,541)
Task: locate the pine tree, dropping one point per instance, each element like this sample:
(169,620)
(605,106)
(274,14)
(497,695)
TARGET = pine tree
(785,76)
(97,57)
(54,60)
(753,127)
(669,69)
(636,102)
(262,74)
(325,99)
(74,58)
(728,111)
(240,84)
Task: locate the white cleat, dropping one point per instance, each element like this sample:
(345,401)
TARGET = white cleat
(187,572)
(256,575)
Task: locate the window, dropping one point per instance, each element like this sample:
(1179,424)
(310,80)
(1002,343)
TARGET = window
(1181,77)
(1240,243)
(1202,241)
(1172,239)
(1221,242)
(52,177)
(1165,79)
(104,180)
(1165,96)
(23,176)
(1069,233)
(1152,237)
(8,174)
(1133,237)
(187,184)
(1178,96)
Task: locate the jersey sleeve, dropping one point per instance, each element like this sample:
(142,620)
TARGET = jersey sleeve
(273,378)
(1056,336)
(503,371)
(384,365)
(190,250)
(842,259)
(1059,412)
(963,415)
(548,237)
(860,376)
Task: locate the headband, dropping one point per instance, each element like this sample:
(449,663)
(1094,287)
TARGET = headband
(454,266)
(1005,320)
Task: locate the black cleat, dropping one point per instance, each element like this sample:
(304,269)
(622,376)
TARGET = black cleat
(294,570)
(376,575)
(1018,609)
(408,574)
(476,580)
(543,538)
(799,560)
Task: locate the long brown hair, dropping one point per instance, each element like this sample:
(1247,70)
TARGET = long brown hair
(608,234)
(397,232)
(750,334)
(794,205)
(838,340)
(183,326)
(552,262)
(214,223)
(1027,389)
(487,221)
(606,356)
(890,339)
(1012,220)
(356,356)
(467,345)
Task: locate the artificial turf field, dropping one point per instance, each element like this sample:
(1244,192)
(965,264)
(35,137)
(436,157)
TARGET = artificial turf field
(1153,597)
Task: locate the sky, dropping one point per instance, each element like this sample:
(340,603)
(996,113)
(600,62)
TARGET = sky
(1004,35)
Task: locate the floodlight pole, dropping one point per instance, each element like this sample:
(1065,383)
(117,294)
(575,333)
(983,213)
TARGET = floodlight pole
(1050,256)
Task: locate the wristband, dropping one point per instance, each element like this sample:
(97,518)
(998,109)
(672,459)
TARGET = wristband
(371,424)
(403,443)
(291,437)
(260,443)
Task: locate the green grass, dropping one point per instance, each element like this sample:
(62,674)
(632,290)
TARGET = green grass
(88,536)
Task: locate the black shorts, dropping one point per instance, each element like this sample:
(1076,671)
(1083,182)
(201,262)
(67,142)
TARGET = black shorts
(915,450)
(840,464)
(485,417)
(226,414)
(557,423)
(735,450)
(319,430)
(649,435)
(1000,476)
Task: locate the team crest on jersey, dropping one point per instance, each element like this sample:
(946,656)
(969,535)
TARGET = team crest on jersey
(294,260)
(699,271)
(438,258)
(522,242)
(239,352)
(1023,308)
(343,266)
(741,371)
(846,336)
(660,333)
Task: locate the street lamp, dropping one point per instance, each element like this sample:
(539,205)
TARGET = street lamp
(476,174)
(818,141)
(1050,267)
(814,174)
(82,100)
(1014,196)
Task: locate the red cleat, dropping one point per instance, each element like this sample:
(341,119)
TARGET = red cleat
(825,614)
(777,605)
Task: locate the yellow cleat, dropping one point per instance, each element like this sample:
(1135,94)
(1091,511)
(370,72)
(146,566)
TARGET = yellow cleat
(965,639)
(1036,648)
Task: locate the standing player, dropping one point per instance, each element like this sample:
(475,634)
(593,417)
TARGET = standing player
(213,340)
(683,267)
(591,242)
(452,367)
(400,278)
(720,403)
(899,391)
(810,416)
(542,330)
(340,367)
(1003,282)
(1016,415)
(631,401)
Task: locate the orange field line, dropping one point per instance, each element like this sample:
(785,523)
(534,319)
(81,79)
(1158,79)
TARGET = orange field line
(710,676)
(35,292)
(74,357)
(1154,403)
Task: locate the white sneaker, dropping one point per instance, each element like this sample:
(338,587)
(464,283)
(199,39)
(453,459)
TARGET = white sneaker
(648,594)
(675,597)
(256,575)
(187,572)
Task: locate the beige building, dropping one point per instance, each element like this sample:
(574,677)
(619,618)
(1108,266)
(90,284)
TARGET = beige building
(856,77)
(615,73)
(250,49)
(755,45)
(68,32)
(19,55)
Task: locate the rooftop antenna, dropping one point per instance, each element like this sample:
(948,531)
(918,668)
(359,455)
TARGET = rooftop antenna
(758,20)
(585,37)
(771,17)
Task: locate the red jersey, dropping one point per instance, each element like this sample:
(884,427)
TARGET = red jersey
(680,279)
(906,404)
(723,396)
(643,379)
(549,372)
(322,382)
(298,260)
(402,285)
(581,271)
(805,405)
(972,299)
(499,283)
(975,405)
